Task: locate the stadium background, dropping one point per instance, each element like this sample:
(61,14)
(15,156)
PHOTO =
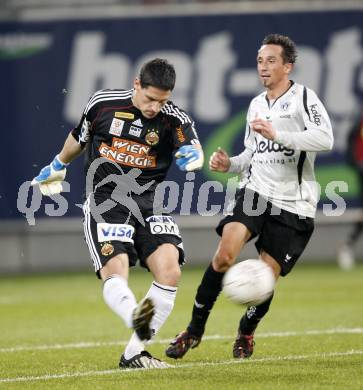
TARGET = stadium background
(53,58)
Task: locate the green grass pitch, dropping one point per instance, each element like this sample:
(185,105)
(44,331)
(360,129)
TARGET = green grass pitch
(57,333)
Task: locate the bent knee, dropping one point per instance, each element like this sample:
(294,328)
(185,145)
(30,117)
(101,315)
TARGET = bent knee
(174,276)
(170,276)
(223,260)
(117,265)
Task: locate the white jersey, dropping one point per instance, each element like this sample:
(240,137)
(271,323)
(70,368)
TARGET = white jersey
(283,170)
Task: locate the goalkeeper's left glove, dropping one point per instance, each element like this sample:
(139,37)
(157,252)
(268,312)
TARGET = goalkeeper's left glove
(50,177)
(189,158)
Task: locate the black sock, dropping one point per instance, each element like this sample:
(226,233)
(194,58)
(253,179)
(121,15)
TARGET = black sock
(253,316)
(354,235)
(208,291)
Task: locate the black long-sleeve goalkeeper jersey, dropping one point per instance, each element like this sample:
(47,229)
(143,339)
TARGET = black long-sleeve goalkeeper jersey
(113,128)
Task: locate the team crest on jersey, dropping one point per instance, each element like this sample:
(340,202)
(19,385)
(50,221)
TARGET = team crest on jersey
(124,115)
(152,137)
(285,106)
(107,249)
(116,127)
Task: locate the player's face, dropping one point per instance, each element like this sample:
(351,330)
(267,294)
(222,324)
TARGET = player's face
(149,100)
(270,66)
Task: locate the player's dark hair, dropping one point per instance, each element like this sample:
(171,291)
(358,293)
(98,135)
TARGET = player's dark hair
(158,73)
(289,52)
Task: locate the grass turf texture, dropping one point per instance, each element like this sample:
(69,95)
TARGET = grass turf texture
(56,332)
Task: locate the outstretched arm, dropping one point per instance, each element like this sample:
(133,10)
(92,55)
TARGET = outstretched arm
(51,176)
(71,150)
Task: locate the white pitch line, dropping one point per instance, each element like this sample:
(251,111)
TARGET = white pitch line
(85,344)
(180,366)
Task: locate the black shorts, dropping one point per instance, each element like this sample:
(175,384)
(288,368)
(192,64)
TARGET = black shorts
(119,231)
(283,235)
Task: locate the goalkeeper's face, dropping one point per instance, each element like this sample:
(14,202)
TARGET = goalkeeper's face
(149,100)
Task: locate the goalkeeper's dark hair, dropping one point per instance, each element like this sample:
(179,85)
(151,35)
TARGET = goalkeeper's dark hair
(289,52)
(158,73)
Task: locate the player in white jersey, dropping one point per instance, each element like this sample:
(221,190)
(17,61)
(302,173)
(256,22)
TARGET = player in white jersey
(282,161)
(286,125)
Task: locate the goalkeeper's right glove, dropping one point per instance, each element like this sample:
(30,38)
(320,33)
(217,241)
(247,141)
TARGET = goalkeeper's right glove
(189,158)
(50,177)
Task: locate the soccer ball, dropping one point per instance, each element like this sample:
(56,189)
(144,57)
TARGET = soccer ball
(249,282)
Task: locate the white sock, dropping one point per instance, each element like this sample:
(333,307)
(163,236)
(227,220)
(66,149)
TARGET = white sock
(119,298)
(134,347)
(163,298)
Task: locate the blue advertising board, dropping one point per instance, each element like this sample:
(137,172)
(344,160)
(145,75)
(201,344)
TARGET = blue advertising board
(50,69)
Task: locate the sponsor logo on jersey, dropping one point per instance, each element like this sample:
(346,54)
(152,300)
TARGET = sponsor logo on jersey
(107,249)
(286,116)
(315,114)
(115,232)
(164,228)
(161,218)
(135,131)
(152,137)
(124,115)
(116,126)
(127,152)
(180,135)
(270,146)
(163,224)
(137,123)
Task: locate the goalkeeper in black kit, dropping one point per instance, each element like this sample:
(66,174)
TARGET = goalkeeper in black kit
(129,138)
(286,126)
